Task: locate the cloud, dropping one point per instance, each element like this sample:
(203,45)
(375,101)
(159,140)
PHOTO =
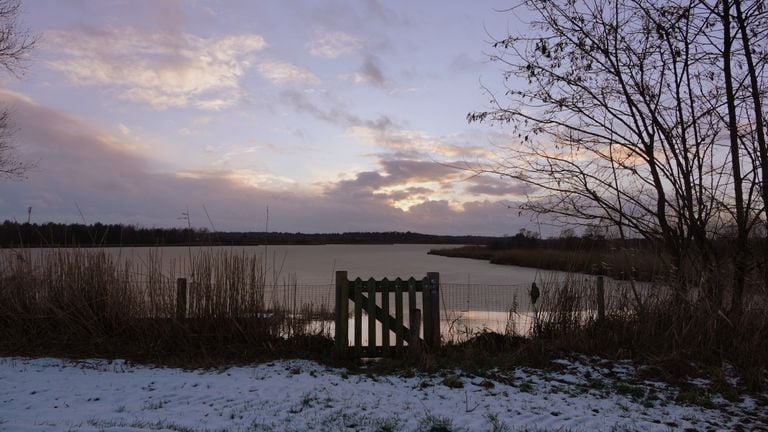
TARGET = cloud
(413,143)
(369,73)
(78,163)
(161,69)
(494,186)
(331,45)
(281,73)
(400,183)
(336,113)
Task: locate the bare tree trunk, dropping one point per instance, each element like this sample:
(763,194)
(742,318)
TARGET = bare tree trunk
(740,256)
(759,120)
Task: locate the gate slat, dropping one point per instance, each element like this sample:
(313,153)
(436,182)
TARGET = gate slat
(385,288)
(358,316)
(371,315)
(411,296)
(399,314)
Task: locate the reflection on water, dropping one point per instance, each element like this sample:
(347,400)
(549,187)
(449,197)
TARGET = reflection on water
(460,326)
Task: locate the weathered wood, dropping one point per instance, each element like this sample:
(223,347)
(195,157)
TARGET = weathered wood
(434,309)
(426,312)
(385,289)
(600,299)
(371,310)
(414,343)
(181,299)
(358,316)
(363,294)
(342,311)
(399,314)
(412,295)
(381,316)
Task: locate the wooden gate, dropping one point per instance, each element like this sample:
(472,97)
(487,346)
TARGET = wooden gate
(363,295)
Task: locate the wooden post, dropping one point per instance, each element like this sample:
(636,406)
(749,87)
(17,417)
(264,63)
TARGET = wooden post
(434,309)
(342,311)
(181,299)
(426,311)
(372,316)
(399,314)
(358,316)
(415,328)
(411,295)
(385,322)
(600,299)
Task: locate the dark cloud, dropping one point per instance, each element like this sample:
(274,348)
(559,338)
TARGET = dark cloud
(411,192)
(494,186)
(393,173)
(401,171)
(371,72)
(336,113)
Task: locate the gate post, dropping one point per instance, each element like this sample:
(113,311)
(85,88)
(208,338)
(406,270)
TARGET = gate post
(434,309)
(342,311)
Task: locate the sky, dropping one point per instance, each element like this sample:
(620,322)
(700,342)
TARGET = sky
(338,116)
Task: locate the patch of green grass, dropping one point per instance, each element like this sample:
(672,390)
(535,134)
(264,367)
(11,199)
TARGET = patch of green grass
(160,425)
(387,425)
(695,396)
(496,425)
(635,393)
(453,381)
(432,423)
(526,387)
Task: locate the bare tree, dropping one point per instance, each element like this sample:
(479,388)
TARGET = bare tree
(632,116)
(15,45)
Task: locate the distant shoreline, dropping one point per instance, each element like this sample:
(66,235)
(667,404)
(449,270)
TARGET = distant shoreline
(643,267)
(16,235)
(112,246)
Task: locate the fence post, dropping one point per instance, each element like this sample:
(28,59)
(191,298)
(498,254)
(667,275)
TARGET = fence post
(434,306)
(426,310)
(181,299)
(414,318)
(600,299)
(342,311)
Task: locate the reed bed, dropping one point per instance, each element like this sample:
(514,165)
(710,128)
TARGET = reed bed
(626,264)
(78,302)
(646,322)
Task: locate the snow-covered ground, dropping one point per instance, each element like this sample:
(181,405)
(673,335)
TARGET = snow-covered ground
(59,395)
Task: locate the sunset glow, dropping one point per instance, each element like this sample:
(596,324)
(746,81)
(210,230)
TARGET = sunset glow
(338,116)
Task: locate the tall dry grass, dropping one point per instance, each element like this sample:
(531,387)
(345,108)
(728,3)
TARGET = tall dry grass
(648,323)
(78,302)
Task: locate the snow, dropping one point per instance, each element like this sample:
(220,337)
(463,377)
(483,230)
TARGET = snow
(588,394)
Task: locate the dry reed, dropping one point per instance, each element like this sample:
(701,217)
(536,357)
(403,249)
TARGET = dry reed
(80,302)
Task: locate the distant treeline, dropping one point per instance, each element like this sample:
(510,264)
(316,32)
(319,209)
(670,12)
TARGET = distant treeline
(14,234)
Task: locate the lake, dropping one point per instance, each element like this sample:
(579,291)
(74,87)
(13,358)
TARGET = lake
(317,264)
(474,293)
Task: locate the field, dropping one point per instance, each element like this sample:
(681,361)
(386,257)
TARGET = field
(570,395)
